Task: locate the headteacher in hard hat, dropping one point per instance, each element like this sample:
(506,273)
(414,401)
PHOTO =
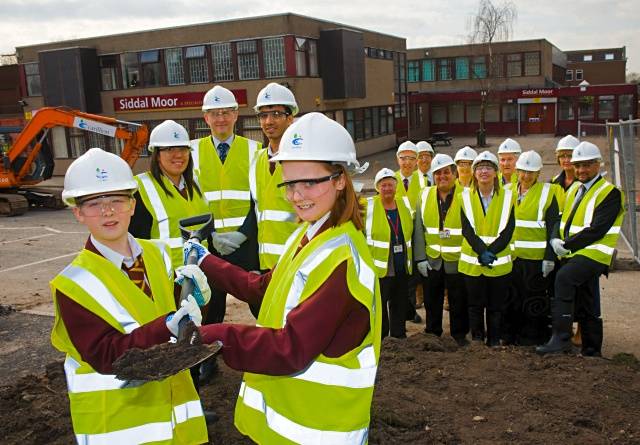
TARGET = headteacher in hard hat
(311,361)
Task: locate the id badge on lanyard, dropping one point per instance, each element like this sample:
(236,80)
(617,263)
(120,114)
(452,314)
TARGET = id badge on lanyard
(398,248)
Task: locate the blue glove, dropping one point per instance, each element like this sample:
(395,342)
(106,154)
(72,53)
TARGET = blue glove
(199,248)
(486,258)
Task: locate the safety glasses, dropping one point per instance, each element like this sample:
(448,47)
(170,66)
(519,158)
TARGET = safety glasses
(306,186)
(103,204)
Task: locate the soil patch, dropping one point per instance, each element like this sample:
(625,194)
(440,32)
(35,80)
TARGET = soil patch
(428,391)
(5,310)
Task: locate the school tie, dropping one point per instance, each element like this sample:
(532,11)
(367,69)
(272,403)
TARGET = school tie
(136,275)
(223,150)
(405,181)
(582,191)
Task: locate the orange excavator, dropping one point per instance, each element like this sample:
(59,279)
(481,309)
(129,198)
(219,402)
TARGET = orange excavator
(29,160)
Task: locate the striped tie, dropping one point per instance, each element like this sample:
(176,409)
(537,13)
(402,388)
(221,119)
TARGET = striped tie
(136,275)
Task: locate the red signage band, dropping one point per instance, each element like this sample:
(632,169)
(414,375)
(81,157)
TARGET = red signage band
(168,101)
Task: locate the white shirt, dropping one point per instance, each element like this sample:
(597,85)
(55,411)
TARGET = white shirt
(486,201)
(313,228)
(587,186)
(117,258)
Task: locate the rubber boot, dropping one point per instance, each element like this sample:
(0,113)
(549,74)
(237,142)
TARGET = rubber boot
(476,323)
(494,322)
(562,321)
(592,337)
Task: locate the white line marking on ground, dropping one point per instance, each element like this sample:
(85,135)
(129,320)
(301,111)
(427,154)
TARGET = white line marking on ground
(27,238)
(50,229)
(38,262)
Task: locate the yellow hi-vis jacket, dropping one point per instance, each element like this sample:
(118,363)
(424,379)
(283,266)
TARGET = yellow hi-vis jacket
(102,412)
(415,186)
(601,250)
(378,232)
(329,402)
(226,186)
(488,228)
(530,234)
(167,211)
(274,213)
(445,243)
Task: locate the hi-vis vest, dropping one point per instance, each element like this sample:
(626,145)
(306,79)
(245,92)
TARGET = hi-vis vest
(226,186)
(445,244)
(488,228)
(167,211)
(530,235)
(378,232)
(102,412)
(602,249)
(329,402)
(503,182)
(414,188)
(275,215)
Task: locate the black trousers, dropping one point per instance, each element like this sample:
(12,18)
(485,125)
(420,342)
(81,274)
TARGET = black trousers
(393,291)
(486,294)
(434,286)
(527,309)
(413,281)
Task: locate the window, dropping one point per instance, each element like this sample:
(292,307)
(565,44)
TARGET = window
(200,129)
(359,121)
(349,123)
(585,107)
(492,112)
(609,56)
(222,66)
(413,71)
(579,75)
(250,128)
(510,112)
(444,69)
(473,112)
(367,123)
(197,65)
(32,71)
(606,107)
(514,65)
(428,71)
(587,58)
(312,56)
(625,106)
(532,64)
(130,70)
(248,60)
(439,113)
(497,66)
(150,61)
(479,67)
(568,75)
(462,68)
(565,109)
(456,112)
(109,72)
(375,122)
(273,57)
(173,61)
(77,142)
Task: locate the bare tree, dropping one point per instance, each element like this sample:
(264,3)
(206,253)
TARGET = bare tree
(8,59)
(492,23)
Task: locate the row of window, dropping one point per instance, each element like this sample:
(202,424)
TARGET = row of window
(367,123)
(474,67)
(568,76)
(595,107)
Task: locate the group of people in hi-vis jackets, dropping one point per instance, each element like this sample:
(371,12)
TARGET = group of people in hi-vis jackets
(515,260)
(326,272)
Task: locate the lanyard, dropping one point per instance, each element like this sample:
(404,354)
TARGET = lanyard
(395,225)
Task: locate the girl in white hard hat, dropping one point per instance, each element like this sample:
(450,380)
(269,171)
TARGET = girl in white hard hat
(485,259)
(117,294)
(526,316)
(388,228)
(312,358)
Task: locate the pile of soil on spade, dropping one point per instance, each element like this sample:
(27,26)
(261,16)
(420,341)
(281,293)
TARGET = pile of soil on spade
(428,391)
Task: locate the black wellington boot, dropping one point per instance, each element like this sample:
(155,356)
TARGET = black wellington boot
(494,331)
(561,325)
(476,323)
(592,337)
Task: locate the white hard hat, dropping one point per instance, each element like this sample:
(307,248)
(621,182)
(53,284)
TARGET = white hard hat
(276,94)
(168,134)
(440,161)
(529,161)
(585,151)
(96,171)
(425,146)
(315,137)
(219,97)
(382,174)
(466,153)
(567,143)
(509,146)
(486,156)
(407,146)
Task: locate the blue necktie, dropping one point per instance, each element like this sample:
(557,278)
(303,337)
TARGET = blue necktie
(223,150)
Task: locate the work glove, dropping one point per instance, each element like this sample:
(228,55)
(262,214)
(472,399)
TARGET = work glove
(201,290)
(230,242)
(486,258)
(188,307)
(558,247)
(200,250)
(424,267)
(547,267)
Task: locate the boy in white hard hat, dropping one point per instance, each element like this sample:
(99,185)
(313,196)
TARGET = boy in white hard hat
(117,294)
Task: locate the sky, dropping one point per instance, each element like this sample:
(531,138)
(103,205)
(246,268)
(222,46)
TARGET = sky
(424,23)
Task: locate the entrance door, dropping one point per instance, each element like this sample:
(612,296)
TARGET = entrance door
(540,118)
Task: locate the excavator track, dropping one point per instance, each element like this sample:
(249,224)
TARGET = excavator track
(13,204)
